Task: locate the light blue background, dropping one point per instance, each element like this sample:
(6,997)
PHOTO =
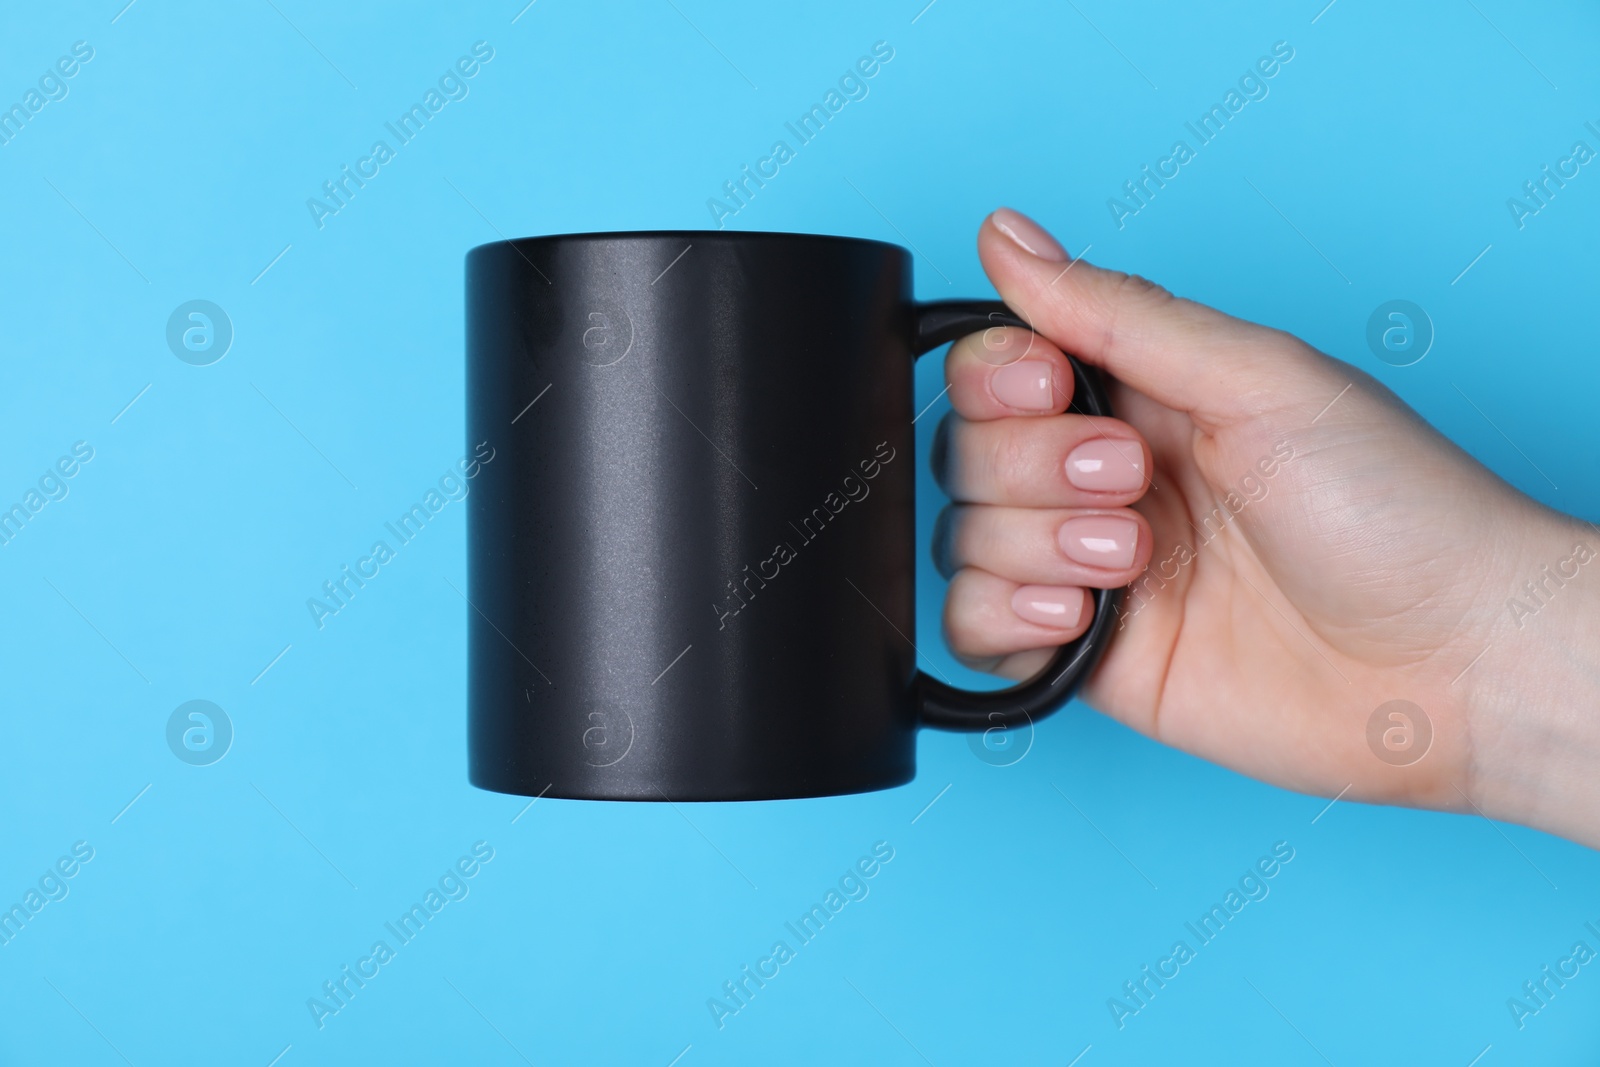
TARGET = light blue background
(226,895)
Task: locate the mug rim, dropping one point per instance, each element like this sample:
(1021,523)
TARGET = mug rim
(689,235)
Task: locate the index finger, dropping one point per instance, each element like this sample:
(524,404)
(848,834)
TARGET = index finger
(1007,371)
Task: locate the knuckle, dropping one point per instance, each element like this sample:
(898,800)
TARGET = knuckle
(1136,287)
(1128,299)
(1006,458)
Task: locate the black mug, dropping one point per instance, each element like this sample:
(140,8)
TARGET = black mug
(692,564)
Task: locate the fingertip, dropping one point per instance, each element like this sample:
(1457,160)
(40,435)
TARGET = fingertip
(1027,235)
(983,615)
(1007,371)
(1026,387)
(1060,608)
(1111,464)
(1013,247)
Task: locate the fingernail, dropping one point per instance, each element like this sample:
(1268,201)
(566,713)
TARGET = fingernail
(1025,385)
(1107,466)
(1048,605)
(1029,235)
(1100,541)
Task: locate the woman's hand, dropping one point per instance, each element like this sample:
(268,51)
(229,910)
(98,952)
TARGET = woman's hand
(1303,550)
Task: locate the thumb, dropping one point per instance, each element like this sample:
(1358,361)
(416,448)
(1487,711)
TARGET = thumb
(1184,355)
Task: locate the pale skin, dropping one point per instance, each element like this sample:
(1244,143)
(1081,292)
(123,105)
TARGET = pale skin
(1303,549)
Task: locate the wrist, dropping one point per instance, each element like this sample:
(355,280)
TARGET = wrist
(1533,700)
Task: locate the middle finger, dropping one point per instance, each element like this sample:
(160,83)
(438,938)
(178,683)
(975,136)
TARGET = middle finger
(1057,461)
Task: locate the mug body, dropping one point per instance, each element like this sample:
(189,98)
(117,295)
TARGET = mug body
(691,560)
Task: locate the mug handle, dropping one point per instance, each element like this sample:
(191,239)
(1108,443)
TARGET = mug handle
(944,705)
